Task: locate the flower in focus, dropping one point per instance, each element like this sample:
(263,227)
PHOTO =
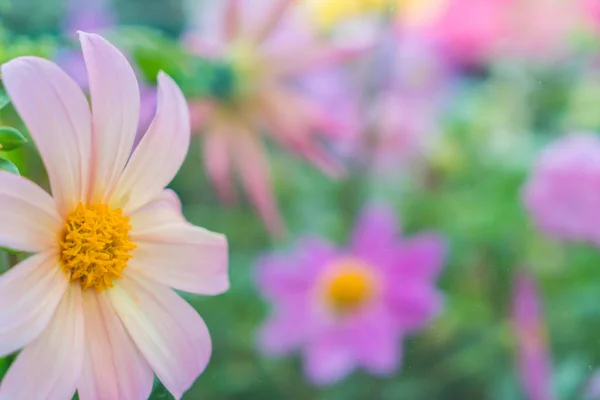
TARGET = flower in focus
(268,51)
(349,308)
(563,191)
(93,306)
(534,362)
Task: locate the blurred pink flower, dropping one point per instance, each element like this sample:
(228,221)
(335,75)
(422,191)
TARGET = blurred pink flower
(533,358)
(93,307)
(394,121)
(475,31)
(270,47)
(563,191)
(350,308)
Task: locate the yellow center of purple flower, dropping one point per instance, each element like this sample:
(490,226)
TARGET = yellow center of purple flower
(95,245)
(350,286)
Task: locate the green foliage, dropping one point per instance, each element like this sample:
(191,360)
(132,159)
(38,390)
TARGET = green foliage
(153,52)
(7,165)
(10,138)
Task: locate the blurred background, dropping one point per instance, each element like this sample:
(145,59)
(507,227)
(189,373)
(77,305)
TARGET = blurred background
(306,111)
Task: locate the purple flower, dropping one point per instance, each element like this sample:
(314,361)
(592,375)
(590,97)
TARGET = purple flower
(349,308)
(563,192)
(533,358)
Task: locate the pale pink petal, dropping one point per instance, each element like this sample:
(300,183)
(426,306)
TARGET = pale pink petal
(200,113)
(115,97)
(254,170)
(160,153)
(217,159)
(166,329)
(57,115)
(288,121)
(113,368)
(327,360)
(175,253)
(30,292)
(165,209)
(28,215)
(232,19)
(272,19)
(50,366)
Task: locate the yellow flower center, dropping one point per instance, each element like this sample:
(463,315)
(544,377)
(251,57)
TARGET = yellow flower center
(95,246)
(350,287)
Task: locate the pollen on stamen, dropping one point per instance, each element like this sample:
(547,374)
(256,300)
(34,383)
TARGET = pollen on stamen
(95,246)
(350,286)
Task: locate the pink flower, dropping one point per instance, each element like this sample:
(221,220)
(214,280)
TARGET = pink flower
(563,191)
(349,308)
(474,31)
(534,361)
(394,125)
(269,50)
(93,306)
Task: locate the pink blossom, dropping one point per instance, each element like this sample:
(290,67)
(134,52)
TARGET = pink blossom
(94,307)
(395,123)
(474,31)
(350,308)
(534,361)
(563,192)
(269,47)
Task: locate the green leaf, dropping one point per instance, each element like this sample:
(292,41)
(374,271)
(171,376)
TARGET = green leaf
(10,138)
(4,100)
(7,165)
(11,251)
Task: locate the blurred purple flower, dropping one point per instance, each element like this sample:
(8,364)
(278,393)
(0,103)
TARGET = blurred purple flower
(394,121)
(533,358)
(350,308)
(270,46)
(94,16)
(563,191)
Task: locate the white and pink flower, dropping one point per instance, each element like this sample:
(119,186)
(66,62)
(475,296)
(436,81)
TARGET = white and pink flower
(94,308)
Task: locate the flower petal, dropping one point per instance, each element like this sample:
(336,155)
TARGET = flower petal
(57,115)
(414,305)
(166,330)
(271,20)
(33,289)
(115,97)
(217,159)
(232,19)
(375,341)
(113,368)
(30,221)
(175,253)
(160,153)
(375,234)
(50,366)
(328,360)
(421,257)
(254,170)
